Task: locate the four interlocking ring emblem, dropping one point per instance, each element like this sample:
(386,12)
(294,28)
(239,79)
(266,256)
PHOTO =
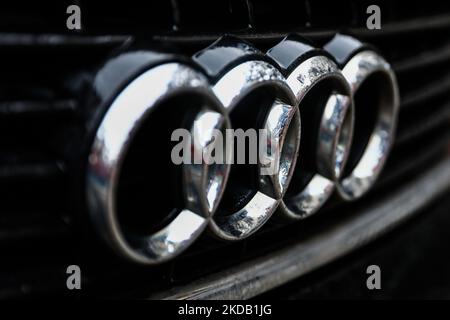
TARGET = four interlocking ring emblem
(313,102)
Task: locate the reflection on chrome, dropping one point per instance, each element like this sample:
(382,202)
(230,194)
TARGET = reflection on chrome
(211,178)
(335,136)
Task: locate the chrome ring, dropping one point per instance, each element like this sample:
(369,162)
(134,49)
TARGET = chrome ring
(334,136)
(124,118)
(361,67)
(283,122)
(206,180)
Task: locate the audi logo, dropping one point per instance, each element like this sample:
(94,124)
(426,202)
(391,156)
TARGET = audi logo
(332,111)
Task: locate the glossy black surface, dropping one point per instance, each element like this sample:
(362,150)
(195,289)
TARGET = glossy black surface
(224,54)
(118,71)
(291,51)
(343,47)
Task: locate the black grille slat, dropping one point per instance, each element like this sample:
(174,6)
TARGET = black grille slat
(412,26)
(41,281)
(409,157)
(425,59)
(414,128)
(27,107)
(33,233)
(430,90)
(12,40)
(33,171)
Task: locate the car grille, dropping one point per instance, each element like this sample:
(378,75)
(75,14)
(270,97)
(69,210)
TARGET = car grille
(46,71)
